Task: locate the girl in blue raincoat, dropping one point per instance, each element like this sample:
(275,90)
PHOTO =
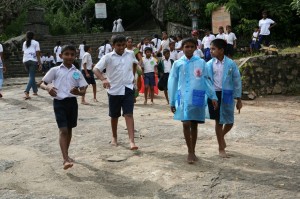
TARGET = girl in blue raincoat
(226,79)
(188,86)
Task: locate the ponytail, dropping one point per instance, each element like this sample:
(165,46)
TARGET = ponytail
(29,37)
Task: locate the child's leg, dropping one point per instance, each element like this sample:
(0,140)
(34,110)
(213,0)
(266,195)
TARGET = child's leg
(95,92)
(188,140)
(64,142)
(69,138)
(146,93)
(220,138)
(194,135)
(166,95)
(114,127)
(130,127)
(152,93)
(226,129)
(83,98)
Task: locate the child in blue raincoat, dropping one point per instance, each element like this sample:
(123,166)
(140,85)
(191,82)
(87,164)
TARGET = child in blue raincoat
(188,86)
(226,79)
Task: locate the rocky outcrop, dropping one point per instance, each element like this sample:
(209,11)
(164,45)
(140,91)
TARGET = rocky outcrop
(158,8)
(272,74)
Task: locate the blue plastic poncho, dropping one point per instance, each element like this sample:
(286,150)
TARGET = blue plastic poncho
(188,86)
(231,88)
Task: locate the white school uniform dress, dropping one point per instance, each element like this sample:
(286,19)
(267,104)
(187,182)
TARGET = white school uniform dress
(149,64)
(57,51)
(87,59)
(30,52)
(264,25)
(221,36)
(207,40)
(174,55)
(119,71)
(230,38)
(64,79)
(81,51)
(156,45)
(167,65)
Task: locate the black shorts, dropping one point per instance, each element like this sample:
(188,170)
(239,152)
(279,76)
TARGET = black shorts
(149,79)
(116,102)
(215,114)
(229,50)
(194,121)
(66,112)
(91,79)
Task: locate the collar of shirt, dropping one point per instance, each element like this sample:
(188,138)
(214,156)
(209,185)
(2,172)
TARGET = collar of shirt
(114,53)
(220,62)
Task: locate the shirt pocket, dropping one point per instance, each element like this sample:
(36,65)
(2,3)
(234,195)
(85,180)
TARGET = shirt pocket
(198,98)
(227,97)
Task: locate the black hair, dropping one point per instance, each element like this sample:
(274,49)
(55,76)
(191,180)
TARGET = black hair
(189,40)
(180,36)
(86,48)
(219,43)
(155,36)
(118,38)
(264,12)
(128,38)
(29,37)
(221,27)
(166,51)
(68,47)
(148,49)
(57,44)
(84,42)
(106,41)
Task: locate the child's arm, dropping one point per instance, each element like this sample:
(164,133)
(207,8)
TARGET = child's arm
(50,88)
(78,91)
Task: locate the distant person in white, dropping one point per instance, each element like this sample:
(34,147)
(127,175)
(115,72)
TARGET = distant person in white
(221,34)
(81,52)
(114,26)
(57,52)
(2,69)
(265,24)
(104,49)
(119,26)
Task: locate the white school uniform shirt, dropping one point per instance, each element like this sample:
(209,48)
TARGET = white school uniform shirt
(57,51)
(230,38)
(264,25)
(221,36)
(43,59)
(87,59)
(180,54)
(119,71)
(165,44)
(145,46)
(81,51)
(64,79)
(207,40)
(199,44)
(158,43)
(148,64)
(30,52)
(1,51)
(255,36)
(50,59)
(103,52)
(174,55)
(178,45)
(218,67)
(167,65)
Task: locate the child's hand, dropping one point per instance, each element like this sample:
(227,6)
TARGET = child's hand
(173,109)
(75,91)
(215,104)
(40,67)
(239,105)
(106,84)
(52,91)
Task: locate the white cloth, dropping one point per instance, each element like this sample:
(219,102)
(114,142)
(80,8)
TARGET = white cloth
(148,64)
(43,59)
(103,50)
(30,52)
(178,45)
(165,44)
(64,79)
(119,26)
(1,51)
(114,26)
(174,55)
(218,67)
(50,59)
(255,36)
(145,46)
(230,38)
(57,51)
(199,44)
(221,36)
(119,71)
(81,51)
(198,53)
(207,40)
(87,59)
(167,65)
(180,54)
(157,43)
(264,25)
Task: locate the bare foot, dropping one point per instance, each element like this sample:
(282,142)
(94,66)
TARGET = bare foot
(67,165)
(84,103)
(114,142)
(190,158)
(133,146)
(195,158)
(71,159)
(95,100)
(223,154)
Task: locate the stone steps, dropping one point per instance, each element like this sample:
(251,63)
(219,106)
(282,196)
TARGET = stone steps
(16,68)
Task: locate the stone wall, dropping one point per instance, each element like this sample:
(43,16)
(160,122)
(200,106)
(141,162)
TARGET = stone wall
(178,29)
(272,74)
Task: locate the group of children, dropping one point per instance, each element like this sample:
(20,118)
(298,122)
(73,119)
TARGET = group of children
(188,81)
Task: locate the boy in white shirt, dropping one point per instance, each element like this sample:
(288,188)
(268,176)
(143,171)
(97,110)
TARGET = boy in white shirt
(149,66)
(87,72)
(173,52)
(231,42)
(57,52)
(254,46)
(104,49)
(81,52)
(120,66)
(221,34)
(206,44)
(265,24)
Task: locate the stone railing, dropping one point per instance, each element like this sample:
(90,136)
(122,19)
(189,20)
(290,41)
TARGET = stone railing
(178,29)
(272,74)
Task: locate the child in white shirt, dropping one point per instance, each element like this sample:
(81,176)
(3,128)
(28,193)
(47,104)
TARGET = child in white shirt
(206,44)
(254,45)
(231,42)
